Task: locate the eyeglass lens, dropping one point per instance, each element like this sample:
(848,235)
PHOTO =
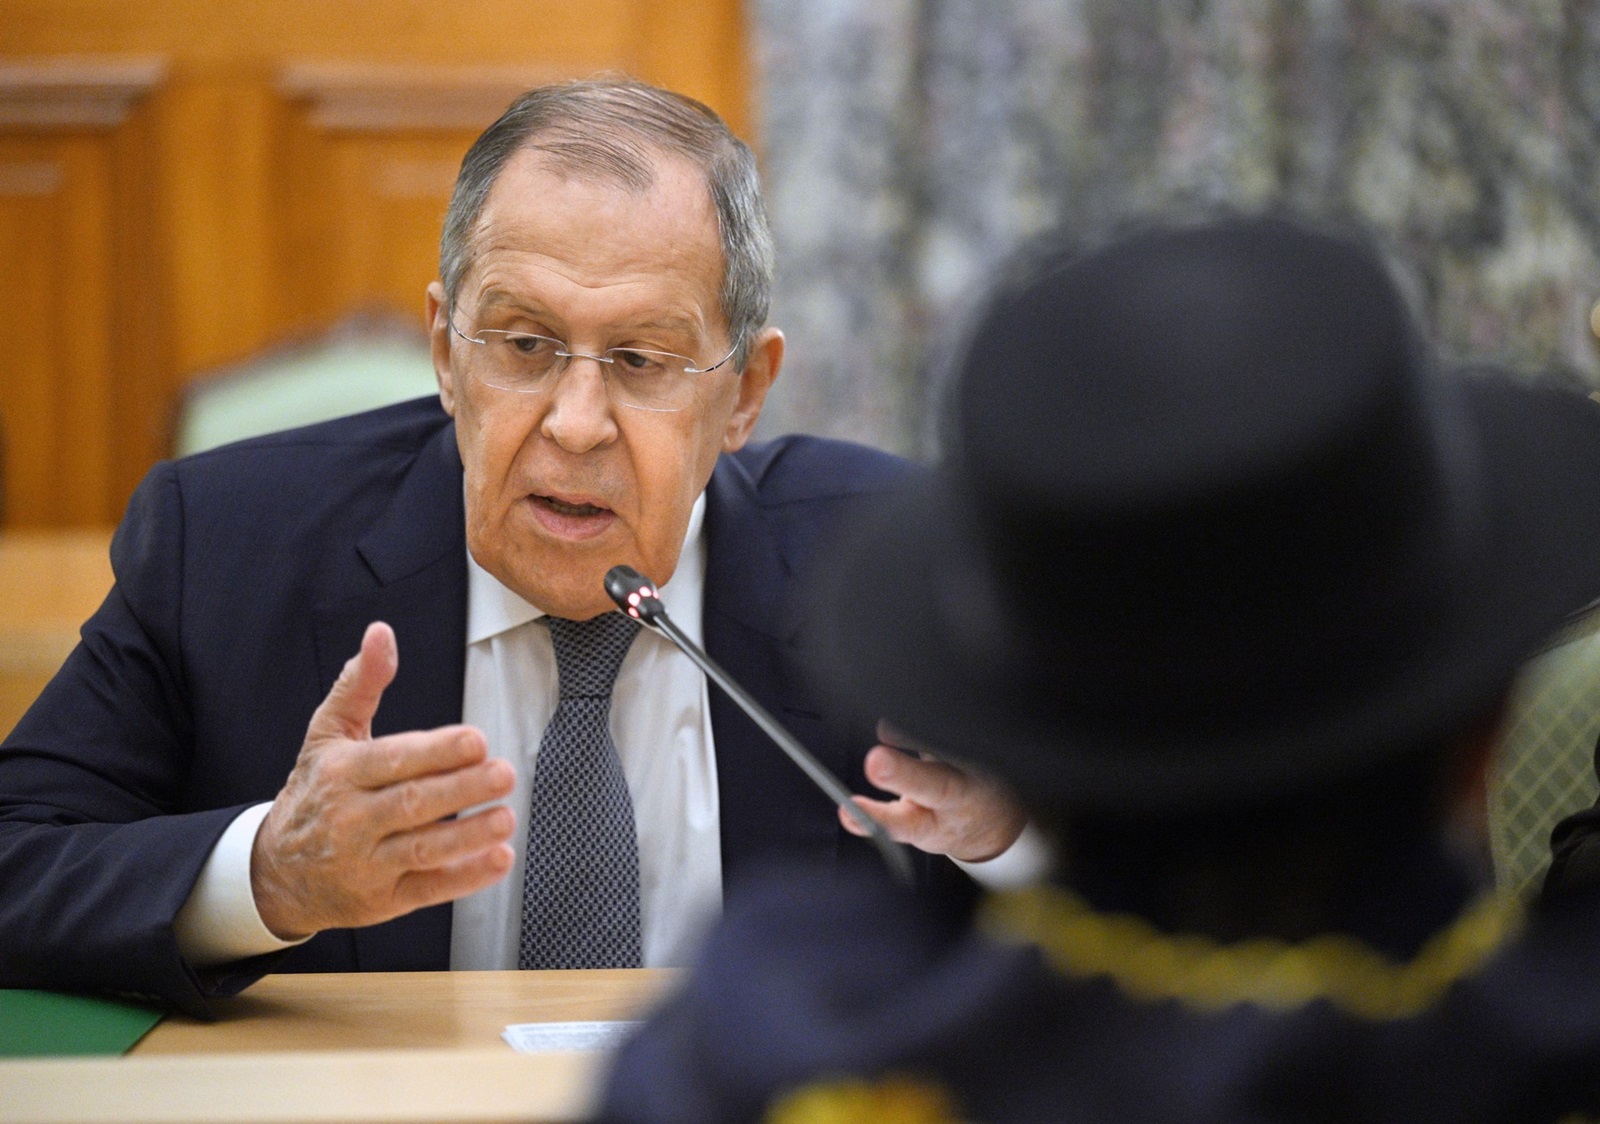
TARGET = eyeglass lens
(527,364)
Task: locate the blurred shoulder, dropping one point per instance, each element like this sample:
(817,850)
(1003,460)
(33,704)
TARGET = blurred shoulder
(811,975)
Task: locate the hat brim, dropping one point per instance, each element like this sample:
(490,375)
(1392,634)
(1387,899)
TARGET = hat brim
(905,623)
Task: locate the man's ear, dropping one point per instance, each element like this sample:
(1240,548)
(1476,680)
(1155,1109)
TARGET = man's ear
(760,371)
(439,341)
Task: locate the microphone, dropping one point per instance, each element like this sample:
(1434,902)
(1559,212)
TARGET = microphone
(636,596)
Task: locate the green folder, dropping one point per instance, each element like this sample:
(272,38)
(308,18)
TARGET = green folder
(37,1024)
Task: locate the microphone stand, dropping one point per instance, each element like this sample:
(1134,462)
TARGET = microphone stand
(636,596)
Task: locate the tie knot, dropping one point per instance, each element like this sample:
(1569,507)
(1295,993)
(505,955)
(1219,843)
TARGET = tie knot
(588,653)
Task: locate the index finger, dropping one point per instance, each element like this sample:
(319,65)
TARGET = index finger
(401,757)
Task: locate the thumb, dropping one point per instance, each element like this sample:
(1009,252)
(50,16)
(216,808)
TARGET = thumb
(347,711)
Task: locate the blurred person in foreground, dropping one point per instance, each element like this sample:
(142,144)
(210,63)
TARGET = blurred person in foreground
(1229,581)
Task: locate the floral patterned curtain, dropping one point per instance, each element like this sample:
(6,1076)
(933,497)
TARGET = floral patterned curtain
(908,147)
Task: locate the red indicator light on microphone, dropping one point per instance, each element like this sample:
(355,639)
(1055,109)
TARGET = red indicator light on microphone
(634,595)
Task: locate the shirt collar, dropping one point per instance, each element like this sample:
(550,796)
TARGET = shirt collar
(492,608)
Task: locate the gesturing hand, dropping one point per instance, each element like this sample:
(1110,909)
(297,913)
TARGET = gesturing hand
(359,832)
(942,809)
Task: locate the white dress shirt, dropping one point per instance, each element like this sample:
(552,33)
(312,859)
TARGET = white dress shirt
(661,723)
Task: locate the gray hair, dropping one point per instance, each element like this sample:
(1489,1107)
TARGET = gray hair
(612,128)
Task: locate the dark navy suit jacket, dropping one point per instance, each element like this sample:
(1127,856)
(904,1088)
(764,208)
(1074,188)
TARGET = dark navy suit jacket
(245,577)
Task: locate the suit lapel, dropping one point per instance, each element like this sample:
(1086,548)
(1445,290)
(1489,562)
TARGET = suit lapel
(766,804)
(415,578)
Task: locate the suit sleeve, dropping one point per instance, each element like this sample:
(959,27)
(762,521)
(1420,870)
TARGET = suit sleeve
(96,854)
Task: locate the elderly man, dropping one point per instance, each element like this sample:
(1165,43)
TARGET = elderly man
(1230,581)
(170,827)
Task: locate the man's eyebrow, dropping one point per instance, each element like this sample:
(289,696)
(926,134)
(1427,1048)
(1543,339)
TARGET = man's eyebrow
(672,322)
(496,299)
(501,298)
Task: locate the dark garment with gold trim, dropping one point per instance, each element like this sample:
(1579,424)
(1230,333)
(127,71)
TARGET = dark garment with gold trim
(819,1001)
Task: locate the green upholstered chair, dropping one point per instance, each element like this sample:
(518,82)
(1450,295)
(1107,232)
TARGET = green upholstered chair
(1545,769)
(367,360)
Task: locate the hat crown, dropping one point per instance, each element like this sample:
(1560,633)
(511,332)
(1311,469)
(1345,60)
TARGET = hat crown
(1182,362)
(1187,454)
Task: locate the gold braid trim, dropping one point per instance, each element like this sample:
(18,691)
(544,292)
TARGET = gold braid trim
(891,1099)
(1148,965)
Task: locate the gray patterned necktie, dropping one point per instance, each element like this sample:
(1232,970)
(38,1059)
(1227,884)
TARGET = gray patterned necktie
(580,887)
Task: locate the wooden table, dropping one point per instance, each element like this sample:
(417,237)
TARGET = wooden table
(380,1047)
(50,582)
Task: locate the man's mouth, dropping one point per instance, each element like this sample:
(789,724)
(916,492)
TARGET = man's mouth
(573,517)
(563,507)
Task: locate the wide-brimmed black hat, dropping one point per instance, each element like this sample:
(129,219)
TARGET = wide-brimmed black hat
(1215,526)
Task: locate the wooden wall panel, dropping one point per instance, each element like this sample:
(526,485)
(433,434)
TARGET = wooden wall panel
(206,33)
(33,184)
(189,183)
(369,156)
(143,376)
(216,170)
(73,192)
(386,197)
(58,249)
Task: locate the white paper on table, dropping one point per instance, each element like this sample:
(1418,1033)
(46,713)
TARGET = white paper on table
(536,1038)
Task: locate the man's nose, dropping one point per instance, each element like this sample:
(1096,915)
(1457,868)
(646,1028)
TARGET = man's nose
(580,415)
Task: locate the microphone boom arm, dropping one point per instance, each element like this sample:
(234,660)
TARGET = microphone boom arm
(635,596)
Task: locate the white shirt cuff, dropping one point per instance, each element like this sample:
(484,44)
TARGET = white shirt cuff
(1026,861)
(219,923)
